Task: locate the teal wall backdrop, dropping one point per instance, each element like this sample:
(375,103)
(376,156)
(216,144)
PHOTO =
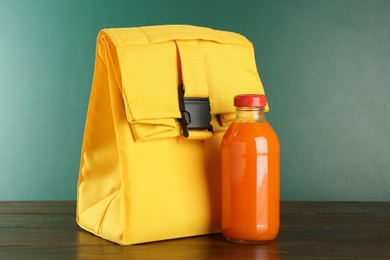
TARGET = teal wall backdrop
(325,66)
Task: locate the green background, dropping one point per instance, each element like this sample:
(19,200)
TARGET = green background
(325,66)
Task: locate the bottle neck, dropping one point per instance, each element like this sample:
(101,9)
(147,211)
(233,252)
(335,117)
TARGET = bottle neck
(250,114)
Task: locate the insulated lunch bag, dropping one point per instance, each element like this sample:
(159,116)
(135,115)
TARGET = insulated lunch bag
(161,100)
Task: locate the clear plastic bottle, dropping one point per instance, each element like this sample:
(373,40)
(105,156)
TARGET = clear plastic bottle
(250,160)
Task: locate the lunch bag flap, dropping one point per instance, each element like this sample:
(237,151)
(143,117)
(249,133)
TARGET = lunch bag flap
(153,62)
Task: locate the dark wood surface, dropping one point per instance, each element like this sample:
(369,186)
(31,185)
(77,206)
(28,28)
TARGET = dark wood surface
(309,230)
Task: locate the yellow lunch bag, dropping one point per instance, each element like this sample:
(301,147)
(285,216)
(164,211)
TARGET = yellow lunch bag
(161,100)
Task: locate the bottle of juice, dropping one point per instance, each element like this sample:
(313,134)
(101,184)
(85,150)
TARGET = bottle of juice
(250,174)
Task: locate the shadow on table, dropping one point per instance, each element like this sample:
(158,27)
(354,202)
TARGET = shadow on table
(200,247)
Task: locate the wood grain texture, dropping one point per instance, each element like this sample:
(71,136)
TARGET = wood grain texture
(309,230)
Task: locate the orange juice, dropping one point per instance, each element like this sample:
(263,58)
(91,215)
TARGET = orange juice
(250,175)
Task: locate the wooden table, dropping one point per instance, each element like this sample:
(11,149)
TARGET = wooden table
(309,230)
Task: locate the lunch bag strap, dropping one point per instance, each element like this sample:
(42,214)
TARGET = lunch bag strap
(195,90)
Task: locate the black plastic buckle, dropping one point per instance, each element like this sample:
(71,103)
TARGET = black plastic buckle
(195,113)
